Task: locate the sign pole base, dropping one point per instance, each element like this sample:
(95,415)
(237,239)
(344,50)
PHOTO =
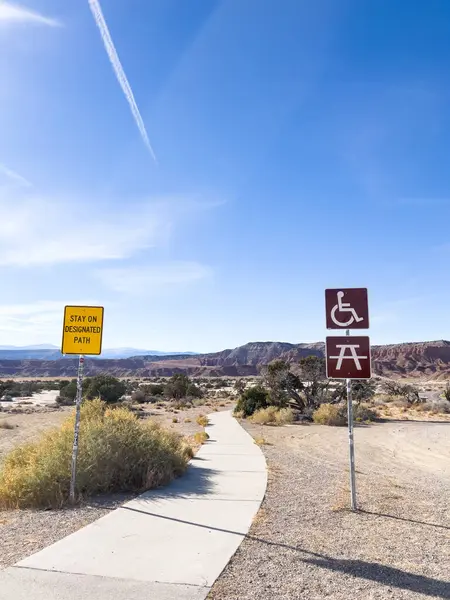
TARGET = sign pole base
(76,433)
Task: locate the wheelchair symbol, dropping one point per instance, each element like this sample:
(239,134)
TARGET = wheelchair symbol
(344,307)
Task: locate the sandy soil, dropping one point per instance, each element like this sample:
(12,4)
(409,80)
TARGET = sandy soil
(307,544)
(27,427)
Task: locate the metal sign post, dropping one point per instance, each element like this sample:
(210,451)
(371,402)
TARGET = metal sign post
(76,433)
(348,358)
(351,441)
(82,334)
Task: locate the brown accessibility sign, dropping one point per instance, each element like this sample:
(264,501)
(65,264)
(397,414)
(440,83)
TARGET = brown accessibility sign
(347,308)
(348,357)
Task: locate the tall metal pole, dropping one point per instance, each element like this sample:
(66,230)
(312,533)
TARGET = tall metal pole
(351,441)
(76,432)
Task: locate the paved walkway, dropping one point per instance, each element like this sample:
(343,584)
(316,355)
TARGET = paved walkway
(170,543)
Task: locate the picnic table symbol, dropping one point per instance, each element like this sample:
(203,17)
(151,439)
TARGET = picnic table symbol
(344,307)
(352,356)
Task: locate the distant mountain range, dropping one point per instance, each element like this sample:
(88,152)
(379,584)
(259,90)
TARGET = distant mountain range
(52,352)
(421,359)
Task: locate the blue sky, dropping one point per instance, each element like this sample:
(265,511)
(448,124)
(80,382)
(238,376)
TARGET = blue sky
(299,146)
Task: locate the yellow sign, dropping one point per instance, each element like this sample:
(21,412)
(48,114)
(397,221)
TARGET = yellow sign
(83,329)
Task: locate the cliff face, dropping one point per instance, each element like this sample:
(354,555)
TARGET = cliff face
(426,359)
(413,359)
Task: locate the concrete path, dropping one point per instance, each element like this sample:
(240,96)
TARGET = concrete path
(170,543)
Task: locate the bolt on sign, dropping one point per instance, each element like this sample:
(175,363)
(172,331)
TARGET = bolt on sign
(348,357)
(82,330)
(347,308)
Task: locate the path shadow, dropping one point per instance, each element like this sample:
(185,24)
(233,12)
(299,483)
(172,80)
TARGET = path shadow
(383,574)
(196,481)
(377,514)
(386,575)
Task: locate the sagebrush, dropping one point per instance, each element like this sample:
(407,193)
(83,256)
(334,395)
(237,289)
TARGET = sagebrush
(336,414)
(117,453)
(273,415)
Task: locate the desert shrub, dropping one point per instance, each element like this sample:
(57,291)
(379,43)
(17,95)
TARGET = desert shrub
(174,420)
(209,386)
(362,413)
(16,389)
(440,406)
(273,415)
(202,420)
(62,401)
(239,386)
(252,399)
(384,398)
(400,402)
(408,392)
(117,453)
(193,391)
(200,437)
(6,425)
(330,414)
(138,397)
(106,387)
(177,386)
(182,404)
(153,389)
(363,390)
(446,392)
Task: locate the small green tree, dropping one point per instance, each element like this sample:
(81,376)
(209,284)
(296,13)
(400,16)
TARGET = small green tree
(177,386)
(239,386)
(193,391)
(409,392)
(283,386)
(106,387)
(363,390)
(251,400)
(68,389)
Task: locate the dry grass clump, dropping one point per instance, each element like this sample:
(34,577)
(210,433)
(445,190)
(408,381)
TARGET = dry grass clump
(6,425)
(260,441)
(437,407)
(202,420)
(336,414)
(117,453)
(363,414)
(200,437)
(330,414)
(272,416)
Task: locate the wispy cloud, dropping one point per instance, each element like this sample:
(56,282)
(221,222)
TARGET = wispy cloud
(12,175)
(40,230)
(34,321)
(119,72)
(13,13)
(152,279)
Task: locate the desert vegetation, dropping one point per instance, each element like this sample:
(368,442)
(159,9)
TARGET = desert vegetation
(118,453)
(304,389)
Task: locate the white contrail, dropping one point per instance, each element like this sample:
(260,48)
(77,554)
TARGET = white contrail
(14,176)
(119,72)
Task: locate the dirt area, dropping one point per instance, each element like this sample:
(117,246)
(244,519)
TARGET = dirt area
(27,531)
(306,544)
(27,427)
(186,419)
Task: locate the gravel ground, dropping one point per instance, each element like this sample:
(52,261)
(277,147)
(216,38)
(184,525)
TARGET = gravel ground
(24,532)
(306,544)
